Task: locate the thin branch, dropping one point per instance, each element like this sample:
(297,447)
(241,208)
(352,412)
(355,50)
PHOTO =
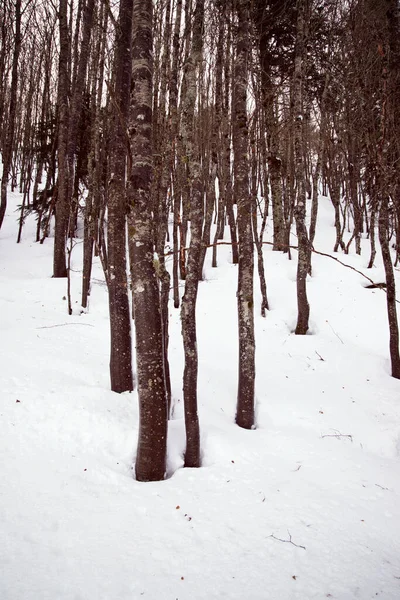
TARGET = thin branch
(338,435)
(337,335)
(289,541)
(63,325)
(371,281)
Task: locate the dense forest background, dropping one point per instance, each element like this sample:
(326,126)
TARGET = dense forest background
(157,132)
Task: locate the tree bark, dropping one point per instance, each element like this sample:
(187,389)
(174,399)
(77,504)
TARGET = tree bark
(80,66)
(188,308)
(245,299)
(120,319)
(390,288)
(303,263)
(9,140)
(62,208)
(152,443)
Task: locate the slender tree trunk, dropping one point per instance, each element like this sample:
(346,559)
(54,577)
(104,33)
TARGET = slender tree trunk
(120,318)
(152,443)
(9,140)
(390,288)
(303,263)
(76,108)
(245,298)
(173,117)
(320,161)
(62,208)
(388,110)
(188,309)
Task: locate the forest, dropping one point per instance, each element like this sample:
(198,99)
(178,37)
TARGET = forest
(166,129)
(199,249)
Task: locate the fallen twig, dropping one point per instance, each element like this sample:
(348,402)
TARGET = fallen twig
(337,335)
(63,325)
(289,541)
(338,435)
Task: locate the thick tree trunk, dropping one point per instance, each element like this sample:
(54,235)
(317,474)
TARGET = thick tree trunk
(152,443)
(120,318)
(245,299)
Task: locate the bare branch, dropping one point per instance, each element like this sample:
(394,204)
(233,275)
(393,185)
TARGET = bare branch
(289,541)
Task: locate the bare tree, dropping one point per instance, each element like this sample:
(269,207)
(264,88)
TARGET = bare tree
(303,263)
(245,298)
(120,318)
(7,150)
(195,175)
(151,452)
(62,211)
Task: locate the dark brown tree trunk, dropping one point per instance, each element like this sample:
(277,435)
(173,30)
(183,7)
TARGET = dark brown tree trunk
(389,110)
(173,117)
(95,166)
(263,19)
(245,299)
(152,443)
(81,63)
(390,288)
(9,140)
(216,146)
(195,176)
(162,187)
(120,318)
(303,263)
(62,209)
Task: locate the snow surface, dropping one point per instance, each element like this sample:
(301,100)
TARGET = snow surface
(321,470)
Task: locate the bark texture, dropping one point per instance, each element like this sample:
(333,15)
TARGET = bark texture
(303,263)
(152,443)
(245,301)
(120,319)
(62,208)
(188,309)
(9,140)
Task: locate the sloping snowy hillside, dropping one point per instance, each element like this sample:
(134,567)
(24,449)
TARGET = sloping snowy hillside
(305,507)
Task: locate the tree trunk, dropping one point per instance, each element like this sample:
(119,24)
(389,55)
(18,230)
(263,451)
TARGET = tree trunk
(390,288)
(62,208)
(9,140)
(195,176)
(80,66)
(245,299)
(303,263)
(120,319)
(152,443)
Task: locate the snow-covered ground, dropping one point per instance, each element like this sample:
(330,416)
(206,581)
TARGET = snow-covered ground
(305,507)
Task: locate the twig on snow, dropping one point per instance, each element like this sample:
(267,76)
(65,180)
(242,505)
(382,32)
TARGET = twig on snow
(338,435)
(289,541)
(337,335)
(63,325)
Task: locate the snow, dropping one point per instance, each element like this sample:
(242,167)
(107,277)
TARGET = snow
(304,507)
